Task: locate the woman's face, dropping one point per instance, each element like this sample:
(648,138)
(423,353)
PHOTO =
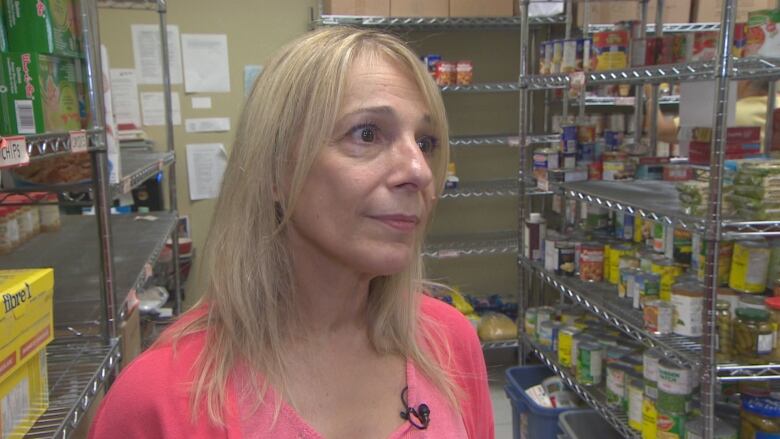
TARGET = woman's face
(371,189)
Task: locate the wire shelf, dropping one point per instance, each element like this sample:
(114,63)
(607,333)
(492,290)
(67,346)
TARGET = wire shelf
(497,345)
(137,167)
(667,27)
(77,370)
(761,372)
(630,101)
(498,87)
(45,146)
(601,299)
(496,243)
(743,68)
(491,188)
(658,201)
(433,23)
(509,140)
(594,396)
(144,5)
(73,253)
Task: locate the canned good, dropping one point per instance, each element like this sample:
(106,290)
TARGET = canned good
(649,418)
(650,363)
(646,288)
(596,217)
(591,262)
(646,258)
(586,153)
(590,363)
(624,226)
(681,247)
(576,341)
(464,72)
(570,314)
(565,340)
(659,237)
(616,252)
(431,61)
(571,48)
(616,385)
(749,266)
(670,425)
(530,322)
(543,314)
(557,57)
(617,170)
(546,159)
(669,273)
(611,49)
(773,271)
(548,334)
(675,387)
(688,302)
(634,397)
(569,159)
(724,261)
(569,139)
(627,282)
(659,317)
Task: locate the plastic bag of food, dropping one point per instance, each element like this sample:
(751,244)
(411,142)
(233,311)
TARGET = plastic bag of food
(494,326)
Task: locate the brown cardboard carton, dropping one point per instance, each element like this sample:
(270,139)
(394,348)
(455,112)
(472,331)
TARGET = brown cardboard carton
(419,8)
(676,11)
(481,8)
(708,11)
(130,330)
(357,7)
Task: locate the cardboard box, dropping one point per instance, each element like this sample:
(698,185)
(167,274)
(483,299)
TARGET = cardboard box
(483,8)
(43,26)
(709,11)
(676,11)
(37,94)
(379,8)
(26,316)
(24,396)
(130,331)
(419,8)
(3,33)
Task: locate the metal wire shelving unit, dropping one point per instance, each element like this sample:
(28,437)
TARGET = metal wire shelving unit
(99,260)
(654,200)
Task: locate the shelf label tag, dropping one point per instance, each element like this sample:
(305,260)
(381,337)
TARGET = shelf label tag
(78,142)
(13,152)
(627,101)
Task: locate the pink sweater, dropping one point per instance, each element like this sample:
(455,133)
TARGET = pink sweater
(150,398)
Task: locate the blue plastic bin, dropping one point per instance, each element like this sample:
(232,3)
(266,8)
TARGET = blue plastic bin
(529,419)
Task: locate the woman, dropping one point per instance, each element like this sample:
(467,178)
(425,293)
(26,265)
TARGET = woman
(313,323)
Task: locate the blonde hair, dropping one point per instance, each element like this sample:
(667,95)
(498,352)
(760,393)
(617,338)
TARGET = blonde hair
(251,302)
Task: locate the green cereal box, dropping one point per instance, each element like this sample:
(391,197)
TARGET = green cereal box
(37,94)
(43,26)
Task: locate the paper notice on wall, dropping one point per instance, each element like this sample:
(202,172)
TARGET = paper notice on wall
(146,51)
(206,68)
(125,99)
(251,72)
(207,125)
(206,163)
(153,108)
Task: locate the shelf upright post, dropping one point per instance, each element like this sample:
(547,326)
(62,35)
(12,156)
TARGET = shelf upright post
(173,199)
(586,34)
(639,108)
(90,33)
(547,127)
(653,128)
(713,231)
(567,36)
(522,174)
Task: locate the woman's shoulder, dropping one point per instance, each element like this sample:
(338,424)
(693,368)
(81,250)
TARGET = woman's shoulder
(456,326)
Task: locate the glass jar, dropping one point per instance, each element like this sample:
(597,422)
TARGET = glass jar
(25,223)
(723,325)
(753,336)
(13,233)
(751,301)
(5,242)
(773,304)
(757,416)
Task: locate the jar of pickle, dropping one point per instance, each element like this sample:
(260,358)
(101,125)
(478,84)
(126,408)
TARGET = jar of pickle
(723,325)
(753,336)
(759,417)
(773,304)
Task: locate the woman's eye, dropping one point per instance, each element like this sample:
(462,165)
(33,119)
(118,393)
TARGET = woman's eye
(367,134)
(427,144)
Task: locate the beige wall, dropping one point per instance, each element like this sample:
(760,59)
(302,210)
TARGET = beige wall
(254,28)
